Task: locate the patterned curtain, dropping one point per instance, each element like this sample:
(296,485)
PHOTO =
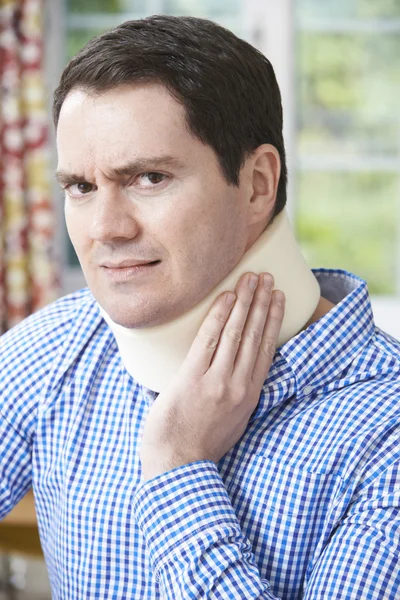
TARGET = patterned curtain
(28,274)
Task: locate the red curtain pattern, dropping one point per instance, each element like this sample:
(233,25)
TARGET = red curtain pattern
(28,274)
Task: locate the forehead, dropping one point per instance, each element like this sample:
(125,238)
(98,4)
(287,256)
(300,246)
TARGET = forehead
(133,120)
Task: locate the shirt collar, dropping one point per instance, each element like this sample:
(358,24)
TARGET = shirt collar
(317,355)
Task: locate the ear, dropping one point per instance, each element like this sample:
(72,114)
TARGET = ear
(263,169)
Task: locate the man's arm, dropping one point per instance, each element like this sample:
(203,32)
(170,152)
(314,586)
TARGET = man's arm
(196,546)
(27,354)
(15,466)
(205,409)
(19,392)
(190,426)
(194,539)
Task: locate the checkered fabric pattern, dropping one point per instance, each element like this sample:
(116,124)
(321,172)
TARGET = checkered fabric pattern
(305,505)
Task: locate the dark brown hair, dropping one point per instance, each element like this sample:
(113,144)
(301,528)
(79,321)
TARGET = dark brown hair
(228,88)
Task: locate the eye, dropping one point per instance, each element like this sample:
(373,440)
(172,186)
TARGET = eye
(84,187)
(152,177)
(77,190)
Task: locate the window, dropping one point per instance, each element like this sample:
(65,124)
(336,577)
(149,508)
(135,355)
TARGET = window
(348,140)
(337,63)
(87,19)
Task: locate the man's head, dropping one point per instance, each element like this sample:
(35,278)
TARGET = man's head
(171,129)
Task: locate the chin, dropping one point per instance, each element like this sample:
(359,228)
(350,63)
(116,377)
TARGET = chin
(136,312)
(137,319)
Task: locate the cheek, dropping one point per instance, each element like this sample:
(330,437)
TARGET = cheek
(75,229)
(206,240)
(207,218)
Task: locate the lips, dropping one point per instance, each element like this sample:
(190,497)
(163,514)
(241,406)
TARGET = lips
(126,271)
(125,264)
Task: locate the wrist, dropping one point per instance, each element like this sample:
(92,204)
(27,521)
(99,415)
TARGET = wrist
(165,461)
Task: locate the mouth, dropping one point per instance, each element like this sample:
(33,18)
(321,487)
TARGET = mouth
(124,273)
(127,264)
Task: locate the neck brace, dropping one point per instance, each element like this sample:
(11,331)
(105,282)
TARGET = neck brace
(153,355)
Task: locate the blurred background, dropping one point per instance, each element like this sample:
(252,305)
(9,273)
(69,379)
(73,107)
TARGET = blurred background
(338,66)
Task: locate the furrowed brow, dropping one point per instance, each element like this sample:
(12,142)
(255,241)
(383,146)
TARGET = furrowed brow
(131,168)
(66,178)
(145,164)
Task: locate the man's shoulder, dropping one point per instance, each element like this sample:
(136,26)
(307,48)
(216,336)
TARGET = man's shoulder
(372,378)
(383,357)
(30,351)
(387,343)
(350,327)
(51,320)
(36,339)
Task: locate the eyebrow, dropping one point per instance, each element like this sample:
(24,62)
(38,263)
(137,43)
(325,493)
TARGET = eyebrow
(131,168)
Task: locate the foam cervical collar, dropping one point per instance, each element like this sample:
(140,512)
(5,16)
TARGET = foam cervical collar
(153,355)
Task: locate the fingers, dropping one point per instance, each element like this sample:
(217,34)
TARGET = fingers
(254,329)
(240,336)
(202,350)
(232,334)
(270,338)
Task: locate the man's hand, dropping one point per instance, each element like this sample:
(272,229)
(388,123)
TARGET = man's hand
(207,406)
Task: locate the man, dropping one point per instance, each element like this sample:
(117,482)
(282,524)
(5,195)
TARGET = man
(169,134)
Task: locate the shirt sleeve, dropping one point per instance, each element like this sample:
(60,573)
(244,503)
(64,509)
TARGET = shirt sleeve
(19,391)
(197,549)
(195,542)
(15,466)
(27,353)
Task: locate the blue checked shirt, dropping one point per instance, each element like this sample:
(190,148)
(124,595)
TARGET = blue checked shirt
(305,505)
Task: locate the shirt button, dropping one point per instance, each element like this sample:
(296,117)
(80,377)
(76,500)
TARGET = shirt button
(307,390)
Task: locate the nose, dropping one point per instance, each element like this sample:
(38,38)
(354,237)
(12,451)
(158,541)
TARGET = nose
(112,218)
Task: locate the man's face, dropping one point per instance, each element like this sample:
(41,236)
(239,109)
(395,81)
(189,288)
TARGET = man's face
(141,189)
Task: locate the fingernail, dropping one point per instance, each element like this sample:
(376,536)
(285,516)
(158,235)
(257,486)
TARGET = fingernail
(230,298)
(279,297)
(268,281)
(252,281)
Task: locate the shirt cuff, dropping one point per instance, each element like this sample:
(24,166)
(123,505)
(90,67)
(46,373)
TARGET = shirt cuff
(175,506)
